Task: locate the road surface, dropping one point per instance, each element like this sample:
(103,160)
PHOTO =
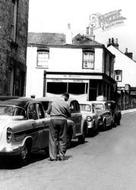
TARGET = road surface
(104,162)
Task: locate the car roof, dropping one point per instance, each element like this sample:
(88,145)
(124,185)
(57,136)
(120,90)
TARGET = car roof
(21,102)
(52,98)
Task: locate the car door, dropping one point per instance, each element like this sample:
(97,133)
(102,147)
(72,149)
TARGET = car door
(32,115)
(43,124)
(76,115)
(108,117)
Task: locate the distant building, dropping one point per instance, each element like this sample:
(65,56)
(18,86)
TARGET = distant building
(125,75)
(13,44)
(84,68)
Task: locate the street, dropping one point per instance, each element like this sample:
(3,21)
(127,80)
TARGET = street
(104,162)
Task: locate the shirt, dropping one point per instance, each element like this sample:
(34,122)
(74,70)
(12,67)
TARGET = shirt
(59,107)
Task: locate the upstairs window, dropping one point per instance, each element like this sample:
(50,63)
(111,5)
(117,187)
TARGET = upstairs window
(42,58)
(88,59)
(118,75)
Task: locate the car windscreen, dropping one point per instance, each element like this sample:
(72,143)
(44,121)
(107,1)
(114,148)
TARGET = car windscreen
(85,107)
(99,107)
(11,110)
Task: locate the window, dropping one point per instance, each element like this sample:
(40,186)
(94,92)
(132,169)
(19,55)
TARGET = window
(32,114)
(88,59)
(14,24)
(118,75)
(42,58)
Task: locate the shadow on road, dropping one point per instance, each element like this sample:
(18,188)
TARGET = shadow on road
(15,163)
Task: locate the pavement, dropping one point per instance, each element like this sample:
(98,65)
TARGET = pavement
(128,111)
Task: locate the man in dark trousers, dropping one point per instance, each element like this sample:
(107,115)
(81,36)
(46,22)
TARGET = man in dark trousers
(59,112)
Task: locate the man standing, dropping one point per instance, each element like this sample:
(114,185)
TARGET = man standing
(59,112)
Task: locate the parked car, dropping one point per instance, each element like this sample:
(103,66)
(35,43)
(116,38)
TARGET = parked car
(105,118)
(88,112)
(115,110)
(24,128)
(77,124)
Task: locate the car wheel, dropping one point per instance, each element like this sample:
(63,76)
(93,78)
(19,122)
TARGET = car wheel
(118,122)
(81,139)
(104,125)
(69,139)
(25,154)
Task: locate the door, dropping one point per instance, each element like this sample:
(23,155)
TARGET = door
(76,115)
(43,125)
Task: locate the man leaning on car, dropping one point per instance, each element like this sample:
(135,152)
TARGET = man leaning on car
(59,111)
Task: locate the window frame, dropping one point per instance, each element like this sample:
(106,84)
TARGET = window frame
(45,60)
(90,53)
(120,75)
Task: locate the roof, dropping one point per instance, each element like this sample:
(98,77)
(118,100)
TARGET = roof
(46,38)
(59,39)
(85,40)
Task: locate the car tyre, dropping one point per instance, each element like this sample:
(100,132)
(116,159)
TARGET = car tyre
(104,125)
(69,139)
(25,154)
(81,138)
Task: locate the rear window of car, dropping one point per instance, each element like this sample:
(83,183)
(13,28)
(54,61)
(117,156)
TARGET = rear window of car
(11,111)
(85,107)
(99,107)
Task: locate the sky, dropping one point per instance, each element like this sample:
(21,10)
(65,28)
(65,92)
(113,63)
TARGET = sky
(54,15)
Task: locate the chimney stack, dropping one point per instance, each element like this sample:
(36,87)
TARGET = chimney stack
(89,33)
(129,54)
(113,42)
(68,34)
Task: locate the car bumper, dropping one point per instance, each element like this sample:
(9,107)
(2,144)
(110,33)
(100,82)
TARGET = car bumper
(10,150)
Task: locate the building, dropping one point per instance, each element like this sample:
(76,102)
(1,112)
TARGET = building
(125,72)
(84,68)
(13,45)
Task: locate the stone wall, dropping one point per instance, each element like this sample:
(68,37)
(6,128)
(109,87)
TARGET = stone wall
(12,52)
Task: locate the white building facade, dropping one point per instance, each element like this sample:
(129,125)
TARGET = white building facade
(125,76)
(85,70)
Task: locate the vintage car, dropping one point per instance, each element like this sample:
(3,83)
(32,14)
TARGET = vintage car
(115,110)
(24,128)
(105,118)
(77,124)
(88,112)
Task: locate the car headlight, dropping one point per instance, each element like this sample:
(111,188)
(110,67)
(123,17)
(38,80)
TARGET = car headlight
(89,118)
(9,134)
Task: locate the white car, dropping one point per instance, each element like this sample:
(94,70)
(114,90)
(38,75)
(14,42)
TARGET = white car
(89,114)
(24,128)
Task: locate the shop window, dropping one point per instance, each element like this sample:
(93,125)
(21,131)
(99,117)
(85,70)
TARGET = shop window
(88,59)
(43,58)
(118,75)
(56,87)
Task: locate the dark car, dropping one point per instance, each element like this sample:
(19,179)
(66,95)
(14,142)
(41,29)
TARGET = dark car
(115,110)
(77,125)
(105,118)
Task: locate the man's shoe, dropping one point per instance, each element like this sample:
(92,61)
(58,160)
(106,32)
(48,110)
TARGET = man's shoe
(61,158)
(52,159)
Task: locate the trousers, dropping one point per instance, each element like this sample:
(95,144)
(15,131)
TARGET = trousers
(57,137)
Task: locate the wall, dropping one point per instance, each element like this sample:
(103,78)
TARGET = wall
(12,54)
(127,65)
(62,60)
(70,60)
